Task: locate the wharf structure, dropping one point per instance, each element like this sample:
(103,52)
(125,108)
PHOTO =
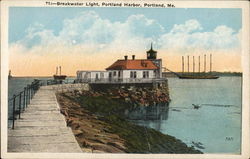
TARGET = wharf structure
(127,71)
(41,127)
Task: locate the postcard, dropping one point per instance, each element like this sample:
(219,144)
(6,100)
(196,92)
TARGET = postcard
(124,79)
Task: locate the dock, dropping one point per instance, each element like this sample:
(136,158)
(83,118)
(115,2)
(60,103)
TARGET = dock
(42,128)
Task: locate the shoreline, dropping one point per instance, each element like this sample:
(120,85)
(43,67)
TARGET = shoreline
(98,122)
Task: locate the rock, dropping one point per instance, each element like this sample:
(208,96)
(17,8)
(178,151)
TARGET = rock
(77,132)
(117,145)
(87,150)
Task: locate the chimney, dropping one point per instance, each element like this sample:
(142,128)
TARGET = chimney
(126,57)
(133,57)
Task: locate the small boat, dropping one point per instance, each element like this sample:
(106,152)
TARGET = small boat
(196,106)
(59,77)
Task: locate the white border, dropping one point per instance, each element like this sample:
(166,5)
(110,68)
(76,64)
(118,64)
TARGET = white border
(244,5)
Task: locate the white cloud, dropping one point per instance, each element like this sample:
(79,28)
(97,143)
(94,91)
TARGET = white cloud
(187,27)
(88,32)
(189,36)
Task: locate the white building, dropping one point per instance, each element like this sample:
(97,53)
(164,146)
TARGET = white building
(126,71)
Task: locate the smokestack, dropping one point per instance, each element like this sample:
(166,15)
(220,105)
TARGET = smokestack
(56,70)
(125,57)
(133,57)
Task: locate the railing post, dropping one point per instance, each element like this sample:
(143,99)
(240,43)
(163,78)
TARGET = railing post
(20,99)
(31,90)
(26,102)
(13,111)
(28,94)
(24,98)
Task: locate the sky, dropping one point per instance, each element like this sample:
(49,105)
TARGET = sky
(41,38)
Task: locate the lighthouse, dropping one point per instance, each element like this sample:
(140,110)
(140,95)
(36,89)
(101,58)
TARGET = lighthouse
(152,55)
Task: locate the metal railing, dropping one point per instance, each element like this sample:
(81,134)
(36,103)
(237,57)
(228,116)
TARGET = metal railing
(21,100)
(120,80)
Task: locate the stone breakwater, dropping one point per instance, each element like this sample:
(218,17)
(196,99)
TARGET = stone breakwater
(137,96)
(99,125)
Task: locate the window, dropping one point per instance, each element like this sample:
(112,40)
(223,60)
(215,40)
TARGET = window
(145,74)
(114,73)
(134,74)
(131,74)
(119,74)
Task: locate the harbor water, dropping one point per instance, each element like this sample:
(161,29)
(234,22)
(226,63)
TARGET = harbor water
(215,127)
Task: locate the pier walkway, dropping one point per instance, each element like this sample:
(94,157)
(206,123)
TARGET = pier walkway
(42,128)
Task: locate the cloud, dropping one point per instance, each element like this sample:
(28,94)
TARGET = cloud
(187,27)
(88,33)
(190,36)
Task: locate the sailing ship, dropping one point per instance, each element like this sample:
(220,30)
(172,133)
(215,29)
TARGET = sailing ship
(59,77)
(199,74)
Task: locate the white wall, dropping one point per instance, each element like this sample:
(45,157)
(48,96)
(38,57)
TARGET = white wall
(125,74)
(91,74)
(139,73)
(151,74)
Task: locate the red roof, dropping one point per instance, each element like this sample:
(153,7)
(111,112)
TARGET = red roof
(132,65)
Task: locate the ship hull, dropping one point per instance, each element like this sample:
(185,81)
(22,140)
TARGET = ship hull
(199,77)
(59,77)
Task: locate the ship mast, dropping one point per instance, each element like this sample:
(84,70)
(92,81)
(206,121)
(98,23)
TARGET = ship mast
(188,63)
(205,63)
(210,63)
(56,70)
(60,70)
(199,64)
(193,65)
(182,64)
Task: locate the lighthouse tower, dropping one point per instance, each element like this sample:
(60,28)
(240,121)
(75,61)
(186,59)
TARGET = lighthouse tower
(152,55)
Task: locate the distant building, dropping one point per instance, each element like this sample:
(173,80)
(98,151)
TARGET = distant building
(127,71)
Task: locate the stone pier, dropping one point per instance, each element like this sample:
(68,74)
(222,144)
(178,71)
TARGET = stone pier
(42,128)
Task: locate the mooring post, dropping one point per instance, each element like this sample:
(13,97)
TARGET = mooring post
(13,111)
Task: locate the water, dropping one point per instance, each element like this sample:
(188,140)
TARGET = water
(214,127)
